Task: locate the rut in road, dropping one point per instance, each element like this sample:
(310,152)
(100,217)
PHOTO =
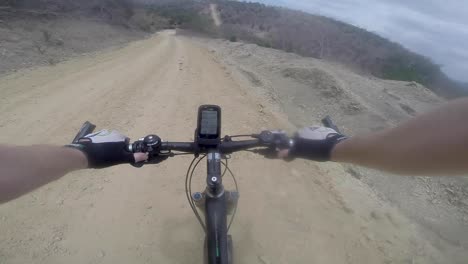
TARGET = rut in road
(297,212)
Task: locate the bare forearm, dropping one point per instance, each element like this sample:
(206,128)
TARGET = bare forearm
(23,169)
(433,143)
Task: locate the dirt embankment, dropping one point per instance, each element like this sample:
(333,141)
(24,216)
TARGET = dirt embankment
(307,89)
(32,38)
(298,212)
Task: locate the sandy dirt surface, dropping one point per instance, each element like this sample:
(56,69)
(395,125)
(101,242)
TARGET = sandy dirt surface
(307,89)
(297,212)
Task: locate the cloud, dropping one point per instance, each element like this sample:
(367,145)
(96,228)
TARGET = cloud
(434,28)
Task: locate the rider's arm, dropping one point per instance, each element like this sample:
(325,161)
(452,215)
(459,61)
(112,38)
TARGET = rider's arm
(433,143)
(23,169)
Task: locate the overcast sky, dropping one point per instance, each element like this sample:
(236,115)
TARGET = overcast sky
(435,28)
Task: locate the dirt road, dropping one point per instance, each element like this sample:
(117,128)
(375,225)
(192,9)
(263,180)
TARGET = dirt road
(215,14)
(298,212)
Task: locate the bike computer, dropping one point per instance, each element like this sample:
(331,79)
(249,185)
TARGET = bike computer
(208,131)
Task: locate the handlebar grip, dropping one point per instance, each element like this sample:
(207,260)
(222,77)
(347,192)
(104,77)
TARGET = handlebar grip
(328,122)
(86,129)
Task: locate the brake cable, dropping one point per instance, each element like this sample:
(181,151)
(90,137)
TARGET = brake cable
(188,188)
(237,190)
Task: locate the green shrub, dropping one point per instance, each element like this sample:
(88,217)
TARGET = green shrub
(263,43)
(410,68)
(186,16)
(233,39)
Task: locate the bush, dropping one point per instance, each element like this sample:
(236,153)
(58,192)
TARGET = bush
(263,43)
(143,20)
(233,39)
(46,35)
(200,23)
(187,16)
(410,68)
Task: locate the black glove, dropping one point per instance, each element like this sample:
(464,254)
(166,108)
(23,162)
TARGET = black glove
(105,149)
(315,143)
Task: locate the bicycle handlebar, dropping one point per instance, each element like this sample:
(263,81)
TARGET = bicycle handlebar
(178,146)
(224,147)
(152,144)
(233,146)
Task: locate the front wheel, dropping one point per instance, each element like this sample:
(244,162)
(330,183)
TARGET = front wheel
(230,250)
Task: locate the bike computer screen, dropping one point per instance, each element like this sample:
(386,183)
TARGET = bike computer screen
(209,125)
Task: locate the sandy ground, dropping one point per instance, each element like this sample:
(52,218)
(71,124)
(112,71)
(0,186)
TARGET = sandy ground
(307,89)
(297,212)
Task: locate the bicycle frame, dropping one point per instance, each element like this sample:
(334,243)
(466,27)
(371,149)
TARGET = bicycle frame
(216,211)
(216,202)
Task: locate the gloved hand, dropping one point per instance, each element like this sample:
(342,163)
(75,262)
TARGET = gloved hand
(314,143)
(107,148)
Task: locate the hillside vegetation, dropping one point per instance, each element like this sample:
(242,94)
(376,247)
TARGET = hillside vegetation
(324,38)
(280,28)
(315,36)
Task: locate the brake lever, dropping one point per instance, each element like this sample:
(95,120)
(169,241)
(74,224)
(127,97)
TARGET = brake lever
(138,164)
(328,122)
(153,159)
(268,153)
(86,129)
(277,139)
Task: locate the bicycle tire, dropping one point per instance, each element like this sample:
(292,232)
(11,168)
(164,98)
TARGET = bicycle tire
(230,251)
